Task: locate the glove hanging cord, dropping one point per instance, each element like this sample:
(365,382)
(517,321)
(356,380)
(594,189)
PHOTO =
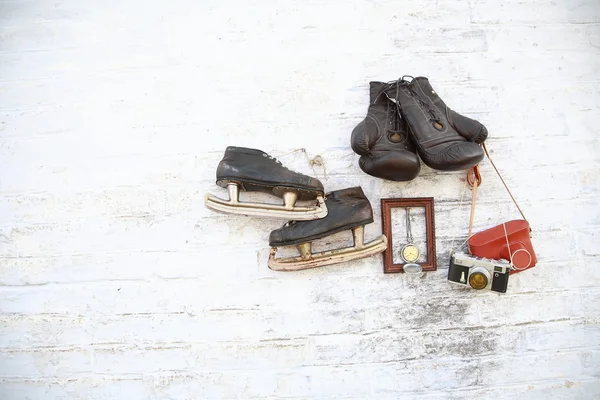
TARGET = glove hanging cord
(474,180)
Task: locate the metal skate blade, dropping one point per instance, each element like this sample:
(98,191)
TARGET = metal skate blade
(298,213)
(327,257)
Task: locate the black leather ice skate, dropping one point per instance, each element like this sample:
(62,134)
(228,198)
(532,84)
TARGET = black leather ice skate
(348,209)
(256,171)
(445,139)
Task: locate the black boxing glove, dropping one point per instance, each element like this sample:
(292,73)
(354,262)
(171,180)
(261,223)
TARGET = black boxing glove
(382,140)
(445,140)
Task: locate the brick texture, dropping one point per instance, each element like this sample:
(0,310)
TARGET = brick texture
(116,281)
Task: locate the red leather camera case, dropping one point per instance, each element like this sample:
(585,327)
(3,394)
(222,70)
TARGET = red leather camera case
(492,243)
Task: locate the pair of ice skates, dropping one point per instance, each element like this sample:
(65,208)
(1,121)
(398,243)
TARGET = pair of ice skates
(245,169)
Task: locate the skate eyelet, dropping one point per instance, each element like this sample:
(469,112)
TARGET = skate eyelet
(438,126)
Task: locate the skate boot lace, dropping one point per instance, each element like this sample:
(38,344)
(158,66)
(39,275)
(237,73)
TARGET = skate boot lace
(278,162)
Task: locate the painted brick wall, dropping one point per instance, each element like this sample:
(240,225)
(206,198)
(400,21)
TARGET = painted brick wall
(117,283)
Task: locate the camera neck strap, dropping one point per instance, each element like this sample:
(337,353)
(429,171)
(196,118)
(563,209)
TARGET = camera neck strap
(474,180)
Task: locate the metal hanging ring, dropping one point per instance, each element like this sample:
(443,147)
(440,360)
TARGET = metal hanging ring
(473,176)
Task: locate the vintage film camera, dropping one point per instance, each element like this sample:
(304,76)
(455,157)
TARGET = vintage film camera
(479,273)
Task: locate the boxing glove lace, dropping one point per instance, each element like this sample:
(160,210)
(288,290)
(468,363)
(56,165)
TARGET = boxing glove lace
(382,140)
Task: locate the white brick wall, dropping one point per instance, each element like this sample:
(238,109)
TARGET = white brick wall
(117,283)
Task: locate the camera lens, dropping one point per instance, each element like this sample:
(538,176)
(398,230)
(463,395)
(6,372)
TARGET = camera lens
(478,280)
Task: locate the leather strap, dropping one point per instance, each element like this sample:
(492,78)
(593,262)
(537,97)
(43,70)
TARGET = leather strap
(475,184)
(474,180)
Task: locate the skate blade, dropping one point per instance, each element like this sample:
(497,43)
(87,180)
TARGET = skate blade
(327,257)
(298,213)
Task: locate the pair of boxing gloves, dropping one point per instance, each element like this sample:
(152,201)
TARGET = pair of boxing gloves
(407,120)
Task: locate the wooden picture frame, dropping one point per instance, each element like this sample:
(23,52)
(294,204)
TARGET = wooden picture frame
(386,215)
